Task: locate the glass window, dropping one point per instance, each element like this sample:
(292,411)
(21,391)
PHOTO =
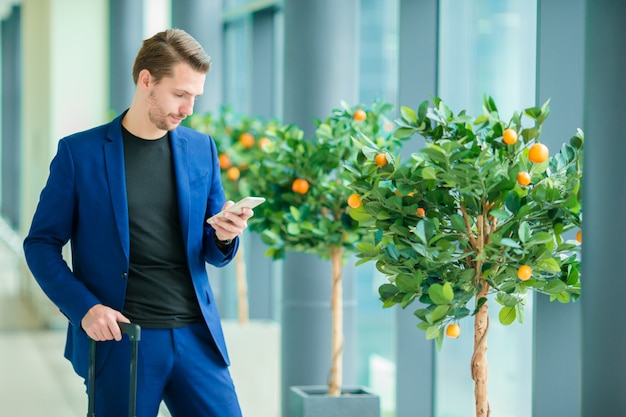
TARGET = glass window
(378,56)
(378,80)
(237,65)
(487,47)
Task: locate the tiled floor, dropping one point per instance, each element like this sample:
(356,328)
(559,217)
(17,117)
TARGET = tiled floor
(35,379)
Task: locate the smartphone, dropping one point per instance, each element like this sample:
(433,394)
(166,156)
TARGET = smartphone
(250,202)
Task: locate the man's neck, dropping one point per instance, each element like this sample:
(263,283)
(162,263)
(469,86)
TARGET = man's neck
(137,123)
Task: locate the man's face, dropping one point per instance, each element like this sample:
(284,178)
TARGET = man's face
(172,99)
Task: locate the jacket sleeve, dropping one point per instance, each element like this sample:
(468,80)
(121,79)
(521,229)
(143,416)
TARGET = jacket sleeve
(50,230)
(215,202)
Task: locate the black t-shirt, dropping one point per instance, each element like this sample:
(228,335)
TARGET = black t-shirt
(160,291)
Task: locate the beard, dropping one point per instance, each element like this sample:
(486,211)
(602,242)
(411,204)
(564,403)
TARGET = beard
(159,117)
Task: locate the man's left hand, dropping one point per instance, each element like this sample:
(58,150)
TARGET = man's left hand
(230,225)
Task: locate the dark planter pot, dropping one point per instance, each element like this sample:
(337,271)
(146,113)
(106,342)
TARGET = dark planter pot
(312,401)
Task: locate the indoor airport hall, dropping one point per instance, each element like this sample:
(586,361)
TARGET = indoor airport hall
(375,265)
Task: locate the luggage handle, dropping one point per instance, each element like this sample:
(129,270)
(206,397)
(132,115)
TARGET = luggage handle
(134,334)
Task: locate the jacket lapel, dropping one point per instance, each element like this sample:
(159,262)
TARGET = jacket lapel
(115,171)
(180,156)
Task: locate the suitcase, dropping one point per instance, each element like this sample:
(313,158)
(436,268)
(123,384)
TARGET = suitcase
(134,334)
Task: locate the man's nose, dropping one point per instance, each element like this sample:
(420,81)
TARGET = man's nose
(187,108)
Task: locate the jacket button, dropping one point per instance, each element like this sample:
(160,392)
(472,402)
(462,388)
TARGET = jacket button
(125,275)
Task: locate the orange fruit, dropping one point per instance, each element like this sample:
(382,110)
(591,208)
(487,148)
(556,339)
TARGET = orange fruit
(523,178)
(380,160)
(538,153)
(264,142)
(453,330)
(246,139)
(300,185)
(524,272)
(225,161)
(421,212)
(233,173)
(359,115)
(509,136)
(354,200)
(579,236)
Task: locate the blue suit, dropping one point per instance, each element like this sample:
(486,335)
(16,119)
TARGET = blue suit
(84,202)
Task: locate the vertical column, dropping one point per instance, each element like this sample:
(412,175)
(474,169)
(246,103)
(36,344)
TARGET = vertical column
(64,89)
(320,70)
(557,327)
(126,35)
(203,20)
(263,76)
(418,82)
(321,59)
(603,287)
(11,116)
(263,99)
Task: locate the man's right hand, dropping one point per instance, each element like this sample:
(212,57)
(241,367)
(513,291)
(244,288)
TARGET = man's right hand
(100,323)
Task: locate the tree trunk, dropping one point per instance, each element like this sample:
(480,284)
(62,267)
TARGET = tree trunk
(480,366)
(336,306)
(242,285)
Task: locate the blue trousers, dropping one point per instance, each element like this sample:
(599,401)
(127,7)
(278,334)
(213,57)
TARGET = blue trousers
(180,366)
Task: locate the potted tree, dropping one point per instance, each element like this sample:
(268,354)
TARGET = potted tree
(480,213)
(307,194)
(241,140)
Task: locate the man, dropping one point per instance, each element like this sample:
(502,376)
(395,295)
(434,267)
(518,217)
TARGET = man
(132,198)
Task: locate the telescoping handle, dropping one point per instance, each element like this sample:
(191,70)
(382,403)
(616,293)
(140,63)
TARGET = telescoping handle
(134,334)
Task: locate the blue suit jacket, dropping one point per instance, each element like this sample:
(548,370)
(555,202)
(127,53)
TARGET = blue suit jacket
(84,202)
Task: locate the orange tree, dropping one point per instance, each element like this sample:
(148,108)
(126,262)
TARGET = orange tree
(241,140)
(307,194)
(480,212)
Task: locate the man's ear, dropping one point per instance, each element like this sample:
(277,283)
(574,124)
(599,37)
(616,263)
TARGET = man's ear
(144,79)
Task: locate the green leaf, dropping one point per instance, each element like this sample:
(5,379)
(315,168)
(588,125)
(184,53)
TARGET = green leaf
(387,291)
(457,222)
(404,132)
(293,229)
(507,315)
(563,297)
(550,265)
(510,243)
(524,232)
(391,251)
(420,231)
(554,286)
(429,173)
(407,283)
(366,247)
(540,238)
(408,299)
(359,214)
(441,294)
(448,292)
(439,312)
(295,213)
(513,202)
(408,114)
(432,332)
